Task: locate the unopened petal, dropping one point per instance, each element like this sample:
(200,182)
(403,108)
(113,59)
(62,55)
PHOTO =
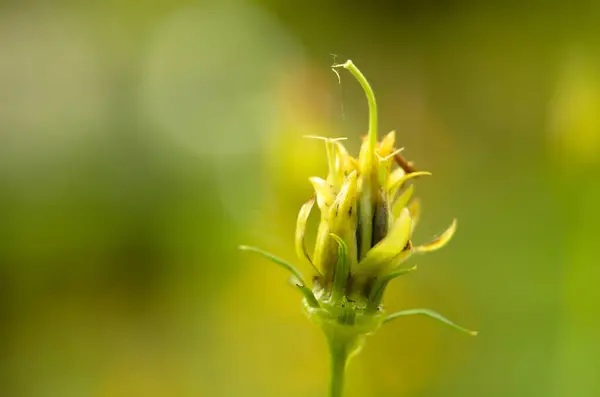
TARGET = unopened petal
(300,244)
(396,175)
(324,192)
(397,182)
(397,237)
(382,219)
(365,158)
(381,256)
(344,204)
(385,157)
(341,272)
(414,207)
(402,201)
(401,257)
(343,216)
(325,256)
(368,188)
(331,149)
(345,163)
(386,147)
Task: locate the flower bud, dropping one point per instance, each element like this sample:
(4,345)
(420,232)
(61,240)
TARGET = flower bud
(366,209)
(367,218)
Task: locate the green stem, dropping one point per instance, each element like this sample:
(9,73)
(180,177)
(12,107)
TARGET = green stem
(339,359)
(349,65)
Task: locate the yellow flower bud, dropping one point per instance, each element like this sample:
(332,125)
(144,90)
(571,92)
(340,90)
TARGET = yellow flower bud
(364,236)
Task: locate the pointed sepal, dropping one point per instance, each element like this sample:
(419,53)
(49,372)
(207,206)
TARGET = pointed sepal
(297,278)
(275,259)
(428,313)
(381,283)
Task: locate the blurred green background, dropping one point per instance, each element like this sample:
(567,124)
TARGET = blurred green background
(142,141)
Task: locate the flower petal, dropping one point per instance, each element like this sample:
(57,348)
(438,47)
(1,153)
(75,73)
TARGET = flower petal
(397,182)
(343,216)
(382,219)
(341,272)
(401,257)
(386,146)
(401,201)
(343,207)
(385,157)
(414,207)
(394,176)
(345,163)
(325,255)
(380,257)
(438,242)
(333,176)
(325,194)
(300,244)
(368,186)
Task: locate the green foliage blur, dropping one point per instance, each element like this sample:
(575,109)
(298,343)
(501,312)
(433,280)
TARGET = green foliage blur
(142,141)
